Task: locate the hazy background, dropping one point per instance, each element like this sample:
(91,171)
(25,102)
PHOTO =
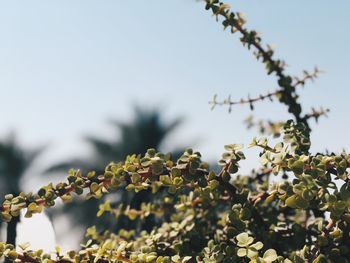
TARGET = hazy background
(68,66)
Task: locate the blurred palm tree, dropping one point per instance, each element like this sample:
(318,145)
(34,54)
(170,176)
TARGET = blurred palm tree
(14,162)
(146,130)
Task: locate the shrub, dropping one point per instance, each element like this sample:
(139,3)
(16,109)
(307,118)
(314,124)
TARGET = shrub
(206,216)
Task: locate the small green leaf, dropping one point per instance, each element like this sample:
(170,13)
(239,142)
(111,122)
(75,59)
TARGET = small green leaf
(258,245)
(244,240)
(297,167)
(94,187)
(290,201)
(270,255)
(242,252)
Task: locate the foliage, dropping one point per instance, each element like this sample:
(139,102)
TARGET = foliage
(207,216)
(287,91)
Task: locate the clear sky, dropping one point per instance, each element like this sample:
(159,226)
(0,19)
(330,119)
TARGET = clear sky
(68,66)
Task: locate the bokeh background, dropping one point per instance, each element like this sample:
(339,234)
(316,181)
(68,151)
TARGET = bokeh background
(83,82)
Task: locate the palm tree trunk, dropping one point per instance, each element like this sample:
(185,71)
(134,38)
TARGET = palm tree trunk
(12,230)
(12,233)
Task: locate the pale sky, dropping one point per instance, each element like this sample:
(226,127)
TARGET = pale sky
(68,66)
